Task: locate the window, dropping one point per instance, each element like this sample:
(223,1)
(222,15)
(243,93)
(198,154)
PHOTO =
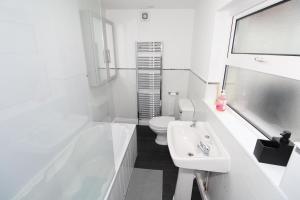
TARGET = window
(270,103)
(274,30)
(261,42)
(262,79)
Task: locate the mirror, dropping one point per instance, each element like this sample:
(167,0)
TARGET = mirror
(92,30)
(110,51)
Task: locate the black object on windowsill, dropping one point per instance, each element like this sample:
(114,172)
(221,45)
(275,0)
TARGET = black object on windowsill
(276,151)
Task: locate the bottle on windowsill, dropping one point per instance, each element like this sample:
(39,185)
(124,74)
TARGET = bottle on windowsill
(221,102)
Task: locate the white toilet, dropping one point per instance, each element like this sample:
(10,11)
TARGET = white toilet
(159,125)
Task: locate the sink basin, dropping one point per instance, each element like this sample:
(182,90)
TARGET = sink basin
(194,148)
(183,143)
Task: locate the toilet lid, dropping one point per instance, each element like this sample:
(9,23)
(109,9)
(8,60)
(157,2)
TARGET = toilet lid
(161,122)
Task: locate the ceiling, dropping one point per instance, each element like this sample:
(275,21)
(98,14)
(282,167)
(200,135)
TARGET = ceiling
(144,4)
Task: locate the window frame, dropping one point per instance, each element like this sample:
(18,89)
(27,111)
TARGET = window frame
(283,65)
(244,115)
(275,64)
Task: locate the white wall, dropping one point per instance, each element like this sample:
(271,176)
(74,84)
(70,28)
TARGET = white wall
(126,28)
(219,46)
(37,57)
(101,102)
(43,84)
(124,94)
(202,52)
(174,27)
(196,93)
(173,81)
(204,22)
(210,40)
(245,180)
(210,43)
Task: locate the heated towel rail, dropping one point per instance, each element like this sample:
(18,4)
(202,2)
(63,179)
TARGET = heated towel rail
(149,79)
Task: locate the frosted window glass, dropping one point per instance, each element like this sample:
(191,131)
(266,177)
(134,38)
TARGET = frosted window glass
(270,103)
(274,30)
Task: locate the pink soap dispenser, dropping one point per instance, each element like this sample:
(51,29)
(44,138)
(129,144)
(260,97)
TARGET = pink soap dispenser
(221,101)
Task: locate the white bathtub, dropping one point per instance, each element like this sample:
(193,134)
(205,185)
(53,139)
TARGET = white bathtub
(121,135)
(95,165)
(125,153)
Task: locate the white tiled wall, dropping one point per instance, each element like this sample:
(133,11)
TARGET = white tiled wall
(124,94)
(101,102)
(121,181)
(173,81)
(174,28)
(43,82)
(196,93)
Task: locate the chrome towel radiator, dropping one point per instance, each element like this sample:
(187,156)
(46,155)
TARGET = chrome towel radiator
(149,79)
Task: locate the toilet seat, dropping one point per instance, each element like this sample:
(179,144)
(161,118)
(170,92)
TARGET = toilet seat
(161,123)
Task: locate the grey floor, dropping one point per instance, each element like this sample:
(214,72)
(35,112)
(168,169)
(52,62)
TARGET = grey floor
(145,184)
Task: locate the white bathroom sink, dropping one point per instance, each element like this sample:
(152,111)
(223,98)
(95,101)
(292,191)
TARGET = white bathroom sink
(184,140)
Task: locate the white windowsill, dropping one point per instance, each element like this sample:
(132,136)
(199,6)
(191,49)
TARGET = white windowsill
(247,135)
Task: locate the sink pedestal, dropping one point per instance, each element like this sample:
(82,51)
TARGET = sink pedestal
(184,184)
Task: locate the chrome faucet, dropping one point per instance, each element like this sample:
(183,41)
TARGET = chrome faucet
(194,121)
(204,148)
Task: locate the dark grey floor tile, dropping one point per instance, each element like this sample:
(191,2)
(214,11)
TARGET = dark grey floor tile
(154,156)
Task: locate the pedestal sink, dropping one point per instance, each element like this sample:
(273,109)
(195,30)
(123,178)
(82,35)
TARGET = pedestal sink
(194,147)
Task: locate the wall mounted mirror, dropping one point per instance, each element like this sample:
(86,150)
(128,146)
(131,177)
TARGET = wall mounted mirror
(94,45)
(110,48)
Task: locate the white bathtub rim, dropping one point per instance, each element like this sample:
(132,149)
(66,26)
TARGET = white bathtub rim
(132,131)
(129,129)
